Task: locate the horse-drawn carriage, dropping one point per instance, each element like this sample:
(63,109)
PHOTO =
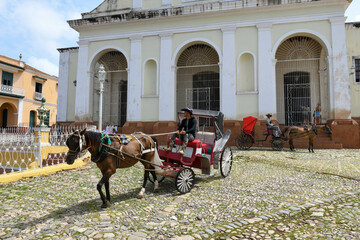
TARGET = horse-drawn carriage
(110,152)
(208,149)
(247,138)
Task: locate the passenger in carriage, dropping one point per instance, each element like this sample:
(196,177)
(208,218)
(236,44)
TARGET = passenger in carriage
(271,126)
(186,131)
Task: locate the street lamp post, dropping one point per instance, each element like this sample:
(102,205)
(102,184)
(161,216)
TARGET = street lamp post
(102,75)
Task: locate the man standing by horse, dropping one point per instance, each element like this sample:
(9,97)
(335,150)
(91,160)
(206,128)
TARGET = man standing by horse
(186,131)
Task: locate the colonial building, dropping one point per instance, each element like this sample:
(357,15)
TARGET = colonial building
(22,88)
(252,57)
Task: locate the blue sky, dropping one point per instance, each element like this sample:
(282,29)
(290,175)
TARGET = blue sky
(37,28)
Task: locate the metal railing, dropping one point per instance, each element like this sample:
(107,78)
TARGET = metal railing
(12,90)
(38,96)
(21,149)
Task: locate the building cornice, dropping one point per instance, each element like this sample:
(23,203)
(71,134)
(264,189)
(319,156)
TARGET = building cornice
(12,66)
(219,26)
(69,49)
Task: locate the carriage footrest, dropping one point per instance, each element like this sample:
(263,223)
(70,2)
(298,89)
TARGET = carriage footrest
(205,165)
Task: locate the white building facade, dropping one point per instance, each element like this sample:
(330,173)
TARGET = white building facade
(243,58)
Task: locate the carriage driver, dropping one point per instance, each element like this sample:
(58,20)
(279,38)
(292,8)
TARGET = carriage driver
(271,126)
(186,130)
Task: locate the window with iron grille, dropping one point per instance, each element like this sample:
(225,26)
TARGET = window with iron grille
(357,70)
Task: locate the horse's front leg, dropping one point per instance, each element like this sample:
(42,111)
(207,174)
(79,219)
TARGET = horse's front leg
(291,143)
(312,146)
(107,189)
(106,201)
(156,183)
(142,191)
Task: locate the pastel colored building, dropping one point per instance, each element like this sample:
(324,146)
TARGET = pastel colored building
(243,58)
(22,88)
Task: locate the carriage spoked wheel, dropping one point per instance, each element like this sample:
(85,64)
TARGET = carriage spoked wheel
(277,144)
(226,161)
(184,180)
(158,177)
(244,142)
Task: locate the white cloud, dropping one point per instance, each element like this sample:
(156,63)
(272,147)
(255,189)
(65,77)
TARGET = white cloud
(44,65)
(36,28)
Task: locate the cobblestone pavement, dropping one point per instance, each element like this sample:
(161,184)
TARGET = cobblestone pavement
(268,195)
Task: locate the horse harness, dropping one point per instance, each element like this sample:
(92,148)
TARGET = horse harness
(124,140)
(79,148)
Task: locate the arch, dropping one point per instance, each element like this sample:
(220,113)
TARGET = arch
(8,113)
(103,50)
(150,79)
(254,73)
(192,41)
(296,32)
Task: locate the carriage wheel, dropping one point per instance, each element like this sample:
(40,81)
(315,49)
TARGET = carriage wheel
(226,161)
(160,178)
(277,144)
(244,142)
(184,180)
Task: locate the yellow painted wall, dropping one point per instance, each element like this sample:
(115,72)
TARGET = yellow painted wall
(151,4)
(214,36)
(247,105)
(123,44)
(25,79)
(150,109)
(353,46)
(150,48)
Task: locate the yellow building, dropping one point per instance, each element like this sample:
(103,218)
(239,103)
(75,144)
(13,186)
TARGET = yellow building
(22,88)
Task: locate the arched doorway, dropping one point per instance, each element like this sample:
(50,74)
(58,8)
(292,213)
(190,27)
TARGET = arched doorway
(198,84)
(115,89)
(4,118)
(301,80)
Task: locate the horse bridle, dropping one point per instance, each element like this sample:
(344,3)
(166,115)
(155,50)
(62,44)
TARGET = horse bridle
(79,148)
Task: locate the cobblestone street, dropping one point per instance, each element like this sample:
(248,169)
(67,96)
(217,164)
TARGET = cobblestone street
(268,195)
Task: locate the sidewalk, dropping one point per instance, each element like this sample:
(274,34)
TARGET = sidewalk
(269,194)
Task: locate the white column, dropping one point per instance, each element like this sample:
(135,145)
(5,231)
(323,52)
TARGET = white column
(339,79)
(228,75)
(167,88)
(82,98)
(20,111)
(137,4)
(266,72)
(63,86)
(134,81)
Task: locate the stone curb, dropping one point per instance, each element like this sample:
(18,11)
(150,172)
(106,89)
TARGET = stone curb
(12,177)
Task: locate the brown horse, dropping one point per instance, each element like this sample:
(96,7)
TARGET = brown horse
(310,133)
(109,153)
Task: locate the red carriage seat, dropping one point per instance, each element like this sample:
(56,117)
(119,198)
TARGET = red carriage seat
(207,148)
(194,144)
